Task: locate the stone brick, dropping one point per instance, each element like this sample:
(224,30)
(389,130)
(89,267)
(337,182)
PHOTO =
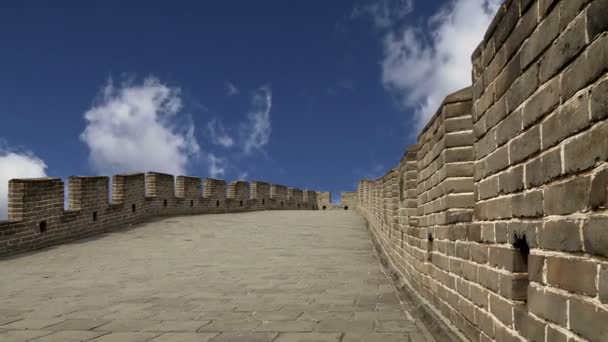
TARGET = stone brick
(497,160)
(561,235)
(528,326)
(488,188)
(555,335)
(585,69)
(496,113)
(485,145)
(524,28)
(479,253)
(548,305)
(543,102)
(544,168)
(511,181)
(571,118)
(604,283)
(525,145)
(599,101)
(567,197)
(521,89)
(508,75)
(568,45)
(501,309)
(560,273)
(529,204)
(547,31)
(508,259)
(570,9)
(524,228)
(480,296)
(488,278)
(536,264)
(545,6)
(587,150)
(484,321)
(596,18)
(588,321)
(513,286)
(509,127)
(595,235)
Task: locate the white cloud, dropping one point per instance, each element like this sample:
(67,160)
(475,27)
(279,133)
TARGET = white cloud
(243,175)
(231,89)
(136,127)
(257,128)
(218,135)
(17,165)
(421,72)
(384,13)
(217,166)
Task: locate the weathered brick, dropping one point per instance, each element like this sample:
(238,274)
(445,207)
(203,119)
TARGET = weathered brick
(496,113)
(521,89)
(479,253)
(479,295)
(604,283)
(497,160)
(488,188)
(561,235)
(547,31)
(485,145)
(571,118)
(507,258)
(536,264)
(509,127)
(513,286)
(568,45)
(484,321)
(511,181)
(595,235)
(588,321)
(543,102)
(502,309)
(599,100)
(560,273)
(544,168)
(567,197)
(508,75)
(555,335)
(525,145)
(524,28)
(596,18)
(545,6)
(548,305)
(529,204)
(488,278)
(528,326)
(585,69)
(587,150)
(570,9)
(519,229)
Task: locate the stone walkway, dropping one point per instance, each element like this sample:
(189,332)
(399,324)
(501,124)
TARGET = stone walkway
(277,276)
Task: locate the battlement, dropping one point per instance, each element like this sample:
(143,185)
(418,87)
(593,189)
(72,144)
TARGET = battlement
(497,216)
(37,217)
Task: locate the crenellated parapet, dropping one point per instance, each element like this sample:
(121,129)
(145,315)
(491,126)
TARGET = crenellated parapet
(37,217)
(502,203)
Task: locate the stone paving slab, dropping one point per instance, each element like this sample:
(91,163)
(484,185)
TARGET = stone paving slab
(264,276)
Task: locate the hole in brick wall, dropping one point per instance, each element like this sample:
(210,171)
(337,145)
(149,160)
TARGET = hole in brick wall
(281,203)
(133,208)
(241,203)
(94,216)
(324,207)
(217,203)
(42,226)
(191,203)
(263,202)
(520,243)
(429,247)
(298,205)
(165,203)
(345,207)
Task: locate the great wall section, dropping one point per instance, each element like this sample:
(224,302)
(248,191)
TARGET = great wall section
(37,217)
(497,218)
(495,222)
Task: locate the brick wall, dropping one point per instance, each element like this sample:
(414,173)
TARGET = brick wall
(37,217)
(348,199)
(501,207)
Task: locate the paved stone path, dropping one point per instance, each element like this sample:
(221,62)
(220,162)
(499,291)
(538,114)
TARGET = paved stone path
(277,276)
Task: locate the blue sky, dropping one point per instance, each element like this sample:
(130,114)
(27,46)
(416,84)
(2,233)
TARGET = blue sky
(311,94)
